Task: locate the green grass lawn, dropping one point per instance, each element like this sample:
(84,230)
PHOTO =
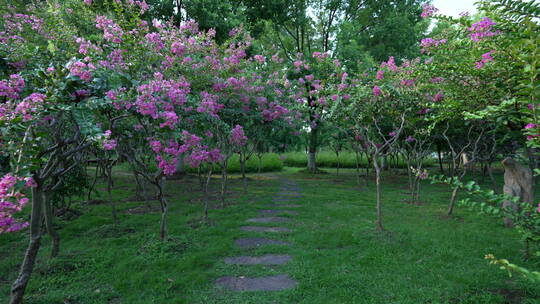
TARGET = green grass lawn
(424,257)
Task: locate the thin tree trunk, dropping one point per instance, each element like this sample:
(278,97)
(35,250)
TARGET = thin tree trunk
(93,184)
(206,198)
(368,165)
(452,201)
(260,164)
(357,158)
(379,225)
(312,161)
(243,169)
(492,178)
(109,193)
(439,155)
(48,215)
(19,286)
(164,208)
(223,182)
(337,157)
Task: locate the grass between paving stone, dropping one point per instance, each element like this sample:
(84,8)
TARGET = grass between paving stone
(337,256)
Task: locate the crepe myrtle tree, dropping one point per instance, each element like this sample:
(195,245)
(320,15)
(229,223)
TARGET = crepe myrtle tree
(55,130)
(317,84)
(380,121)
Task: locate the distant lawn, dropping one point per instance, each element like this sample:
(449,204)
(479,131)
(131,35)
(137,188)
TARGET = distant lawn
(337,256)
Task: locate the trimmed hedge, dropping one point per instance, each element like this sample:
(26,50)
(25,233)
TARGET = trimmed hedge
(328,159)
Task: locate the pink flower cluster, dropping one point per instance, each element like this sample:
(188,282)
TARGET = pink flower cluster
(482,29)
(15,23)
(238,137)
(12,87)
(111,31)
(29,105)
(108,143)
(85,46)
(14,107)
(485,59)
(428,43)
(159,98)
(428,10)
(82,70)
(319,55)
(209,104)
(377,91)
(195,152)
(12,200)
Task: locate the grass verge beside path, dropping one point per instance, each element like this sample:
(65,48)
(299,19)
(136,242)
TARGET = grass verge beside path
(424,257)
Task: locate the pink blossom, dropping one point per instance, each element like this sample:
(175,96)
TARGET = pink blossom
(428,10)
(111,31)
(377,91)
(530,126)
(259,58)
(237,136)
(482,29)
(109,144)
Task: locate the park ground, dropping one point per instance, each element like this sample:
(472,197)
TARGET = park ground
(338,257)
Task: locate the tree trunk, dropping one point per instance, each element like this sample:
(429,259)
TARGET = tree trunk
(93,184)
(243,169)
(223,182)
(206,198)
(452,201)
(337,157)
(109,193)
(384,163)
(48,215)
(312,162)
(260,163)
(439,155)
(379,225)
(368,165)
(492,178)
(19,286)
(164,208)
(357,158)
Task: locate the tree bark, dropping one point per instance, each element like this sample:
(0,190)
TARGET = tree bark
(312,162)
(109,194)
(452,201)
(206,198)
(223,182)
(19,286)
(379,225)
(439,156)
(164,208)
(48,215)
(243,169)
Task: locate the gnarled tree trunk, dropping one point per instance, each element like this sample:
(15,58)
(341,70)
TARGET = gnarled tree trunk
(19,286)
(518,181)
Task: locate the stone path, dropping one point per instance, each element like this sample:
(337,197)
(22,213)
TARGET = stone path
(289,191)
(269,259)
(270,219)
(265,229)
(271,283)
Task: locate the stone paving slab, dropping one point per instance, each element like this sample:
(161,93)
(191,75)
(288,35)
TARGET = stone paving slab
(271,283)
(257,242)
(270,219)
(265,229)
(284,206)
(269,259)
(272,212)
(282,200)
